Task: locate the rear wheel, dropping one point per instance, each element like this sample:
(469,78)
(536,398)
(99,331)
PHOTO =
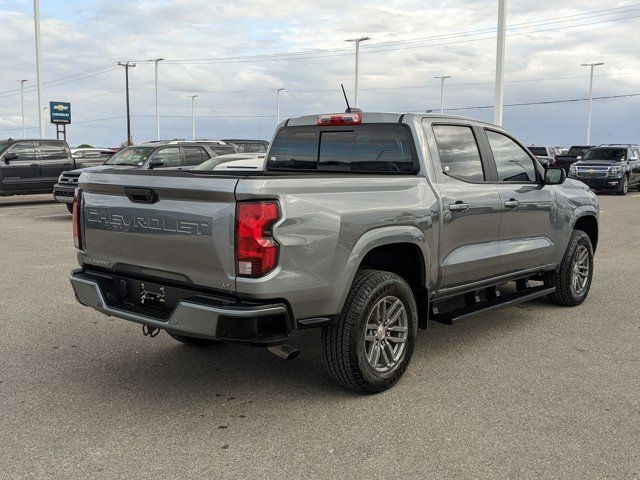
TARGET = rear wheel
(624,186)
(369,347)
(69,207)
(573,280)
(194,341)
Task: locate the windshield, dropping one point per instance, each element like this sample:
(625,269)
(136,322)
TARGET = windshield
(538,151)
(607,154)
(2,145)
(132,156)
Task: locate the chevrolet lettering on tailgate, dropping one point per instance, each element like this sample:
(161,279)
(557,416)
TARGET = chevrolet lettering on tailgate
(135,220)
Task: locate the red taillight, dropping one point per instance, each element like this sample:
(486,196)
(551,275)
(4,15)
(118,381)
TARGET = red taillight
(256,251)
(340,119)
(77,231)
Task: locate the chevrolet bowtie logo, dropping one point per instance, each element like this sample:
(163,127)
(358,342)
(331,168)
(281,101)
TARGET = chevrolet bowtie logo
(61,108)
(591,171)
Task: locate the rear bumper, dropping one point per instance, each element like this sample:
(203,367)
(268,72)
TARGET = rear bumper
(200,315)
(608,183)
(63,193)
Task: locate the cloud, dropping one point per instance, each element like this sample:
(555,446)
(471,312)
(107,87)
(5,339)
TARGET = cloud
(237,98)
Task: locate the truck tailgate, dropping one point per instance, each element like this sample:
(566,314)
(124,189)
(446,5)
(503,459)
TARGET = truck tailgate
(157,225)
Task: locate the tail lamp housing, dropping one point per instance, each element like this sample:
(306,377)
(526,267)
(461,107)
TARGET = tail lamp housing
(256,249)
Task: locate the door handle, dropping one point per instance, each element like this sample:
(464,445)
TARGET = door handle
(458,206)
(511,203)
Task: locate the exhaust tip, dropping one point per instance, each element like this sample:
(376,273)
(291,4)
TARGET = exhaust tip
(286,352)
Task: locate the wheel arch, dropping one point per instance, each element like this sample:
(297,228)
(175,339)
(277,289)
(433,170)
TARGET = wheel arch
(588,224)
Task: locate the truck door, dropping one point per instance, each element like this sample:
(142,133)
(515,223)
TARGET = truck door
(19,169)
(54,159)
(471,207)
(529,215)
(634,166)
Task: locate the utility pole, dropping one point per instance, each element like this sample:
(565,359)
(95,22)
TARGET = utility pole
(498,105)
(127,66)
(193,116)
(24,135)
(36,21)
(357,42)
(442,79)
(156,61)
(591,66)
(278,90)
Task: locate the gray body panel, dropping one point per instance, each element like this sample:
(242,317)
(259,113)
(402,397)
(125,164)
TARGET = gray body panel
(329,222)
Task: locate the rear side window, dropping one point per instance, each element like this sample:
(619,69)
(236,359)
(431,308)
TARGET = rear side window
(369,148)
(512,162)
(194,155)
(459,154)
(223,150)
(52,151)
(258,147)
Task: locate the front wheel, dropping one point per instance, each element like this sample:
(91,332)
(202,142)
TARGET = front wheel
(624,186)
(573,279)
(369,347)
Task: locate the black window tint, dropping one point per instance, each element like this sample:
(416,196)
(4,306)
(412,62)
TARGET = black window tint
(512,162)
(294,148)
(50,151)
(367,148)
(459,154)
(25,151)
(170,156)
(539,151)
(194,155)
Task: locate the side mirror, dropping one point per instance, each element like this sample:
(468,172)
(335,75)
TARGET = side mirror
(554,176)
(156,162)
(10,156)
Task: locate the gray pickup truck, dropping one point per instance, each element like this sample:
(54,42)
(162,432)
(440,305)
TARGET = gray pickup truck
(363,224)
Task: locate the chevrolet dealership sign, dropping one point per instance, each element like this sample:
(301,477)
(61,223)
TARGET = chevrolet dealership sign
(60,112)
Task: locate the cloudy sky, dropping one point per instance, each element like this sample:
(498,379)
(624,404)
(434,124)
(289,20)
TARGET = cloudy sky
(234,54)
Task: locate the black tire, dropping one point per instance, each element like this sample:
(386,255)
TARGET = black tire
(69,207)
(343,343)
(624,186)
(194,341)
(565,293)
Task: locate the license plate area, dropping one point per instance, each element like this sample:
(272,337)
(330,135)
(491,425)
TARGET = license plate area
(141,296)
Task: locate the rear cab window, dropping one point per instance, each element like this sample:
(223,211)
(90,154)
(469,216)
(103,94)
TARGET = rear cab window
(366,148)
(459,153)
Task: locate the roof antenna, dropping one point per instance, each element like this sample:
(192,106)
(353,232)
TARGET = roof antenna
(349,109)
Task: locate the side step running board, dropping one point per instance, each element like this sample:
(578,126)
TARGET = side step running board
(505,300)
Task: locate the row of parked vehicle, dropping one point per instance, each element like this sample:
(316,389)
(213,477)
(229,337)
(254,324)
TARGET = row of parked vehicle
(33,166)
(607,167)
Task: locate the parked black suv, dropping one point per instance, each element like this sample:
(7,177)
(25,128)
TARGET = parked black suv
(165,154)
(32,166)
(609,167)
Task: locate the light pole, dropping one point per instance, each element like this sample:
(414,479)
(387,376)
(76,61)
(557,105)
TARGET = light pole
(127,66)
(498,104)
(193,116)
(442,79)
(36,21)
(278,90)
(591,66)
(24,135)
(156,61)
(357,42)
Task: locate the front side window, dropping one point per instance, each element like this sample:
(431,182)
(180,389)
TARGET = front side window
(24,151)
(131,156)
(512,162)
(459,154)
(258,147)
(170,156)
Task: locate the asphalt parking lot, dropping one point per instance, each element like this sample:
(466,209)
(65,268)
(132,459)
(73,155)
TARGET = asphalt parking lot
(530,391)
